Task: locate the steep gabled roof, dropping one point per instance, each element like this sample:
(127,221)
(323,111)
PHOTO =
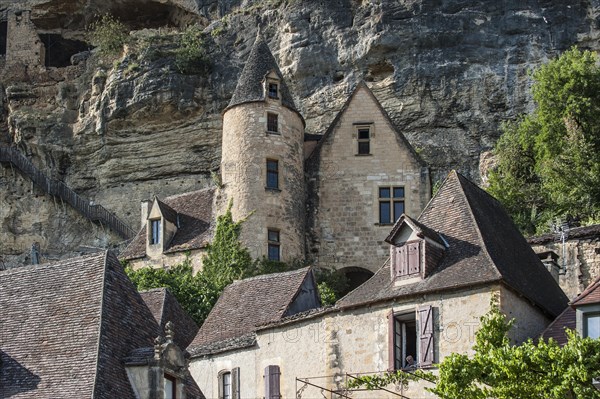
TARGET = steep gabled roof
(333,126)
(194,210)
(165,308)
(250,83)
(590,296)
(246,304)
(484,247)
(67,326)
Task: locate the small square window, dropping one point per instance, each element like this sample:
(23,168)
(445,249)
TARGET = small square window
(273,90)
(274,246)
(592,325)
(154,232)
(364,141)
(272,173)
(272,123)
(391,204)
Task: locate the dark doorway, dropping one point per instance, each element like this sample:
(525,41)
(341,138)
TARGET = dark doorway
(59,50)
(3,37)
(356,276)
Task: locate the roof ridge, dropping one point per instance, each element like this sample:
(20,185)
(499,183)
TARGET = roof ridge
(270,275)
(484,248)
(100,321)
(56,263)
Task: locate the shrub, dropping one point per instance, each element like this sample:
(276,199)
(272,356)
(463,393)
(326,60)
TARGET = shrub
(108,34)
(190,54)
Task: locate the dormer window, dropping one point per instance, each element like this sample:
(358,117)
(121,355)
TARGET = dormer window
(406,259)
(273,90)
(155,231)
(592,325)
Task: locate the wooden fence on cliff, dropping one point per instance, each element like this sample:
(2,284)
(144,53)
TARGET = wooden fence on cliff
(95,213)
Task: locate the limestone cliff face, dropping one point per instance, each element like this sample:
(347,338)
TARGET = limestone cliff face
(448,72)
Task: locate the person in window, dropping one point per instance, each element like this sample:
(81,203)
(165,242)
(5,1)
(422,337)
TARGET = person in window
(410,363)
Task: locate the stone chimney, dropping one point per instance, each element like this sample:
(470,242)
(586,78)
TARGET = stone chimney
(550,260)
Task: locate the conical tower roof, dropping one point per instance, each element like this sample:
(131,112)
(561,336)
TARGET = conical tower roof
(250,84)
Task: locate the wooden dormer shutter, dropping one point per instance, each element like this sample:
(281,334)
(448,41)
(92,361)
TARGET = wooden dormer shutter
(235,383)
(426,343)
(272,384)
(413,257)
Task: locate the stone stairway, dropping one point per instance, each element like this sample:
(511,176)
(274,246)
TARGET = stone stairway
(95,213)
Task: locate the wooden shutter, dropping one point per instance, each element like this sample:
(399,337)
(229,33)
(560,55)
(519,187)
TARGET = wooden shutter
(391,347)
(235,383)
(426,343)
(401,266)
(272,387)
(413,257)
(220,384)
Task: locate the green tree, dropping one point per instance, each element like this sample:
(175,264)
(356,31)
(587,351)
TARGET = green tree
(109,34)
(549,161)
(501,370)
(190,56)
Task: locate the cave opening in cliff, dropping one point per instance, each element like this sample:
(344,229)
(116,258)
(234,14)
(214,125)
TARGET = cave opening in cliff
(59,50)
(3,37)
(153,15)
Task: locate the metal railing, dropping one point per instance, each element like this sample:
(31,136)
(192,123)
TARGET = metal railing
(95,213)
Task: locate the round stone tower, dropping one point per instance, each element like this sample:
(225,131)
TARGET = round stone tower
(262,161)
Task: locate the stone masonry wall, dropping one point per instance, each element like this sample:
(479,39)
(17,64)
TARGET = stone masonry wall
(345,221)
(579,260)
(170,260)
(23,44)
(245,149)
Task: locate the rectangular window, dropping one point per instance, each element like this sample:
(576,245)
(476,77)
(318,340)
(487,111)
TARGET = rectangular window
(411,339)
(391,204)
(273,90)
(272,123)
(226,381)
(274,245)
(406,259)
(364,141)
(170,387)
(272,173)
(592,326)
(155,232)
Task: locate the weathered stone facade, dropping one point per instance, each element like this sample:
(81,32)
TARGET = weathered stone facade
(356,341)
(578,258)
(344,219)
(24,46)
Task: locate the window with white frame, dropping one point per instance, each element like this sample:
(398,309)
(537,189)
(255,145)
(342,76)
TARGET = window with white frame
(155,230)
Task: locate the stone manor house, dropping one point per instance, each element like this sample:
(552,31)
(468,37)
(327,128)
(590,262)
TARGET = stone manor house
(330,199)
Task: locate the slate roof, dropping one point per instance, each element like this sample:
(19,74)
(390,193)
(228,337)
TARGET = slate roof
(574,232)
(590,296)
(67,328)
(484,247)
(556,329)
(165,308)
(246,304)
(250,83)
(195,224)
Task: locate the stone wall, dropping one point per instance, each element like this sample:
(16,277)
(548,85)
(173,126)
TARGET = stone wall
(171,259)
(245,149)
(355,341)
(344,188)
(23,43)
(578,258)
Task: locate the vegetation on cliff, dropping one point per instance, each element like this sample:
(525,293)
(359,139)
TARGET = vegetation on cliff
(501,370)
(549,161)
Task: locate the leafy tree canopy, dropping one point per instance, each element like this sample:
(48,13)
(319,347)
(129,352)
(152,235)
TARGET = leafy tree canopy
(549,160)
(226,260)
(501,370)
